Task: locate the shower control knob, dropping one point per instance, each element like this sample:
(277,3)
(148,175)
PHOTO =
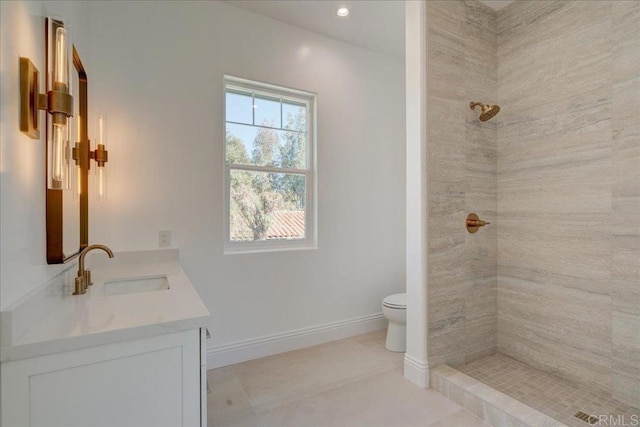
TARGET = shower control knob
(474,222)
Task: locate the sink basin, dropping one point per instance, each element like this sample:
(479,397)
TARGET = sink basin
(135,285)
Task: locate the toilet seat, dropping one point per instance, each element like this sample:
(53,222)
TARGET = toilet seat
(397,301)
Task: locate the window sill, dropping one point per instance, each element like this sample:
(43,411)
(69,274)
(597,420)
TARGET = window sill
(253,249)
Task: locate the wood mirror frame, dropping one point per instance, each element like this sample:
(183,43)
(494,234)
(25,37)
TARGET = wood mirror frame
(54,203)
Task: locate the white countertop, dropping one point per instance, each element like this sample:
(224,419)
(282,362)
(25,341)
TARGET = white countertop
(80,321)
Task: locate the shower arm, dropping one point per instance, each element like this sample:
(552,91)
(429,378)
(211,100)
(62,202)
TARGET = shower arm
(482,106)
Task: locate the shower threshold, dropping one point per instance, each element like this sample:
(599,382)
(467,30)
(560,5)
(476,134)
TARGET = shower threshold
(506,392)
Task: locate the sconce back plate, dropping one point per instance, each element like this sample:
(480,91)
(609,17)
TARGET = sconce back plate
(29,92)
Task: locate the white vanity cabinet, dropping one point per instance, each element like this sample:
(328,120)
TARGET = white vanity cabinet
(152,382)
(118,356)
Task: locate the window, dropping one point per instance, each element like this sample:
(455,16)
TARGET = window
(269,167)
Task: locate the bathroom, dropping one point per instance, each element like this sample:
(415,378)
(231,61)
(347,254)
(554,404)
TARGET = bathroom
(399,162)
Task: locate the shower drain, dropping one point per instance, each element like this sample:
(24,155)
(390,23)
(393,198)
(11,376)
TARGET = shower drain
(586,417)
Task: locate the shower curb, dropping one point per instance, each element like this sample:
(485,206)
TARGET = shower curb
(493,406)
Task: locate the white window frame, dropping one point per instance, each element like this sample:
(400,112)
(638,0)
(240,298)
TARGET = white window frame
(311,230)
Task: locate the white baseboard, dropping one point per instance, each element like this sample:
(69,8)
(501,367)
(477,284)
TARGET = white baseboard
(242,351)
(416,371)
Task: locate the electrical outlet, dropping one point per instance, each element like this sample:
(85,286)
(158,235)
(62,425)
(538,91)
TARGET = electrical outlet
(164,239)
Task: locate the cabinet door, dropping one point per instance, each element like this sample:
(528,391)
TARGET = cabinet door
(149,382)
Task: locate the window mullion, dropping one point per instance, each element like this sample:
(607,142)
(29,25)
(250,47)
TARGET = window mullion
(268,169)
(265,127)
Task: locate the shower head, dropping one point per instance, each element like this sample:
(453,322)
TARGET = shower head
(488,111)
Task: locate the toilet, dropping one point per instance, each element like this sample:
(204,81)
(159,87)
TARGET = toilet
(394,308)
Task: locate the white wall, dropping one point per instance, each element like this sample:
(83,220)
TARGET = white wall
(23,263)
(157,68)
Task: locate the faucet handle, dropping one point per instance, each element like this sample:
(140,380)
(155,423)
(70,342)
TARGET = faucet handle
(474,223)
(81,288)
(87,278)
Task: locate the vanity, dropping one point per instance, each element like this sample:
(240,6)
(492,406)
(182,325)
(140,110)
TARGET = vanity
(131,351)
(121,342)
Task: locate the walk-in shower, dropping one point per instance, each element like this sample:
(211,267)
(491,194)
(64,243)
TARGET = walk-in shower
(544,304)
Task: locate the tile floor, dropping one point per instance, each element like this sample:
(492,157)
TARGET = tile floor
(352,382)
(556,397)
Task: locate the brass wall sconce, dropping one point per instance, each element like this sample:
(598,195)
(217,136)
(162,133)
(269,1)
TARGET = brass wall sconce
(57,101)
(60,106)
(101,156)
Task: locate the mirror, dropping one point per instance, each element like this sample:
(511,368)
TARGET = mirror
(68,211)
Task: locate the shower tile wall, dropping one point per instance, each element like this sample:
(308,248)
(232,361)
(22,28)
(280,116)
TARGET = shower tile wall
(569,190)
(462,179)
(625,162)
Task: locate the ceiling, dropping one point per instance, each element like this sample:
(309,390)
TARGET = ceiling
(372,24)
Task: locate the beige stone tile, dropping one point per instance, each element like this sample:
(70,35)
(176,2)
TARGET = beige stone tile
(513,18)
(566,361)
(566,161)
(227,401)
(480,251)
(626,208)
(473,404)
(626,345)
(375,399)
(480,338)
(462,175)
(447,342)
(552,145)
(625,257)
(448,388)
(568,158)
(482,297)
(449,147)
(386,399)
(557,245)
(298,374)
(374,343)
(247,421)
(528,328)
(547,394)
(462,418)
(524,56)
(626,39)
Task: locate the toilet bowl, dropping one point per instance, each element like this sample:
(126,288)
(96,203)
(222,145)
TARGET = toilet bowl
(394,308)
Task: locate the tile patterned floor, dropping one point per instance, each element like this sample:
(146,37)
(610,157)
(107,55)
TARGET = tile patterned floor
(353,382)
(556,397)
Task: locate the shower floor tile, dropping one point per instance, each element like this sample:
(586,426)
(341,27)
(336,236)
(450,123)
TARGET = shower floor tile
(559,398)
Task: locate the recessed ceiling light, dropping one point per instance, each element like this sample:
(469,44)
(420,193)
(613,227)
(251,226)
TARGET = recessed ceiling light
(343,11)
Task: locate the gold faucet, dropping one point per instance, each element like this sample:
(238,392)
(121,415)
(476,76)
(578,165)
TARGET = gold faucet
(83,280)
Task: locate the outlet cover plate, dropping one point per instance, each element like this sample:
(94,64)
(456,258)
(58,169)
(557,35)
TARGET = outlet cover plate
(164,239)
